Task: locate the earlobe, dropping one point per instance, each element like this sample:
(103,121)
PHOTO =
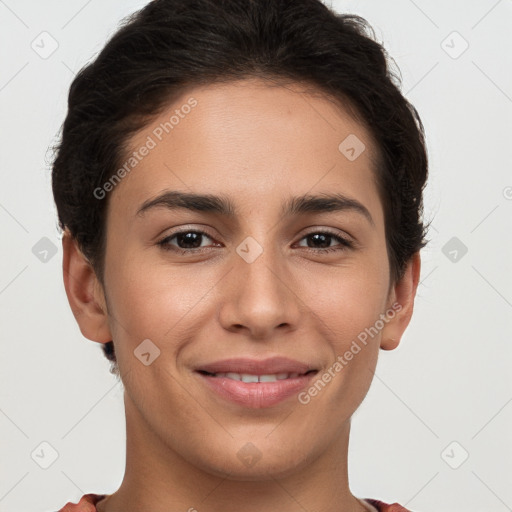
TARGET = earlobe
(85,292)
(401,302)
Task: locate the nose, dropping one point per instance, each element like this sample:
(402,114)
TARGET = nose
(260,298)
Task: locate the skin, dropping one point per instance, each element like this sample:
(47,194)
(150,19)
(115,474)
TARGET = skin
(258,145)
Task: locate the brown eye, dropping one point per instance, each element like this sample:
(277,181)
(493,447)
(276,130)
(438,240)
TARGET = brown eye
(321,240)
(188,240)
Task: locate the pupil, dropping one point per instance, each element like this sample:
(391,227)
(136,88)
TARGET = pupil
(323,238)
(191,240)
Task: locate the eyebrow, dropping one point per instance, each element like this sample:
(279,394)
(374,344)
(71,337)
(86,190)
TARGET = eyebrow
(224,206)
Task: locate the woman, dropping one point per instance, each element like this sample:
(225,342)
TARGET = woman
(240,188)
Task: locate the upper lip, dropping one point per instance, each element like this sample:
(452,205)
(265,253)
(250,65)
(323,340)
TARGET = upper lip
(256,367)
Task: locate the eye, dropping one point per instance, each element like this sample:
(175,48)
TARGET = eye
(322,240)
(186,241)
(191,241)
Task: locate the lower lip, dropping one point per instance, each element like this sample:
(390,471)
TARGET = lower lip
(256,394)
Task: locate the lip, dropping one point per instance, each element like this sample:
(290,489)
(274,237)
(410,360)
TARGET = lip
(256,395)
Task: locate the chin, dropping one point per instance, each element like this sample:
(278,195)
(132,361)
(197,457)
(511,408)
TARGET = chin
(255,461)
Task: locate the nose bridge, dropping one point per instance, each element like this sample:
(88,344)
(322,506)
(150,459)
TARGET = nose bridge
(259,298)
(260,266)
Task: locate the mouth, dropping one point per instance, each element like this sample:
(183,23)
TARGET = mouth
(255,384)
(252,378)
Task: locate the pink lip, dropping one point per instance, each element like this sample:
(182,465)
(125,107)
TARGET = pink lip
(256,394)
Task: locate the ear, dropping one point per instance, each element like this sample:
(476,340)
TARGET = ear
(401,302)
(84,291)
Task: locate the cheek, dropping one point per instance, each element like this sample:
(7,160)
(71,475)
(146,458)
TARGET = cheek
(152,298)
(168,306)
(347,300)
(347,306)
(345,319)
(156,305)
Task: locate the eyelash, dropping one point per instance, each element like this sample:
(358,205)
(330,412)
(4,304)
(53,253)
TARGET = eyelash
(344,243)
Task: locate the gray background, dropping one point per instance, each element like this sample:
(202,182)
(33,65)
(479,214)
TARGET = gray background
(445,394)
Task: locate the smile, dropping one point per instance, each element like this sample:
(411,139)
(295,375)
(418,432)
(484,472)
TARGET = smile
(255,391)
(247,377)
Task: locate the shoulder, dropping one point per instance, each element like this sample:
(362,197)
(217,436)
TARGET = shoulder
(87,503)
(380,506)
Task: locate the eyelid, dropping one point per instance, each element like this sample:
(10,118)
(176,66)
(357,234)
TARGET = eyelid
(329,231)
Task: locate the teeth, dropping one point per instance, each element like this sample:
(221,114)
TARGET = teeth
(268,378)
(247,377)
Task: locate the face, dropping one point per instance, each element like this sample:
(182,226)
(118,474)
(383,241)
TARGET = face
(282,270)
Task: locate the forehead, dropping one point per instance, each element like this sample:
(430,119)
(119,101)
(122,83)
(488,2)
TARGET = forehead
(249,139)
